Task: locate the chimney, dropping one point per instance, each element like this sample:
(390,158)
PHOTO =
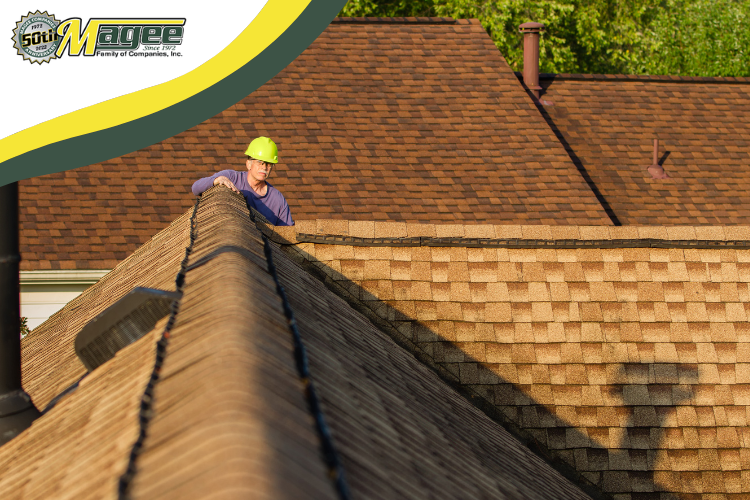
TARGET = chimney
(17,412)
(531,56)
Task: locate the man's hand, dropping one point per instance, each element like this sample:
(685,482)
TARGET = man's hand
(224,181)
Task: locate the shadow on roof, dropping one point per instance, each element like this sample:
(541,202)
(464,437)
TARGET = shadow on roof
(602,464)
(229,413)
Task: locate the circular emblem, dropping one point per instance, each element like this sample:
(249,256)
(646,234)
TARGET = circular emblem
(35,37)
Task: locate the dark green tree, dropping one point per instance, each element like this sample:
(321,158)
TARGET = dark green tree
(24,327)
(698,38)
(685,37)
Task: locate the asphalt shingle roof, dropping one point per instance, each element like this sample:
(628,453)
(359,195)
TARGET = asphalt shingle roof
(609,122)
(625,363)
(418,121)
(229,410)
(628,360)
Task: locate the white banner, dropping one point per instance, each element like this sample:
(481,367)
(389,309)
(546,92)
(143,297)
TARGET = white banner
(107,50)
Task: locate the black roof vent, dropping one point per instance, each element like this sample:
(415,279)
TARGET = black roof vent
(121,324)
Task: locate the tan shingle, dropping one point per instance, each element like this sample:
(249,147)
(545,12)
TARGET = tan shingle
(645,349)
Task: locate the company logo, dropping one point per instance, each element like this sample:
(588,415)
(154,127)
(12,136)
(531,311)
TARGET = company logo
(120,37)
(35,37)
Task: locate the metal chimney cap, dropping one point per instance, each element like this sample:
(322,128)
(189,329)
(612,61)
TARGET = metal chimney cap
(531,27)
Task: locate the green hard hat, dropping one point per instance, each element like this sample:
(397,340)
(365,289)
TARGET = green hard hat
(264,149)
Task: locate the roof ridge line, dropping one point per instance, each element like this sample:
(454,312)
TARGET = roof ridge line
(567,243)
(407,234)
(396,20)
(146,412)
(642,78)
(331,455)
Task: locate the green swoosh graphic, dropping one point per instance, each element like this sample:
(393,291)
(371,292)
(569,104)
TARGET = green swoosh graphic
(128,137)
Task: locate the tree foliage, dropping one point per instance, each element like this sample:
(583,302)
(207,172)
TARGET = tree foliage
(24,326)
(676,37)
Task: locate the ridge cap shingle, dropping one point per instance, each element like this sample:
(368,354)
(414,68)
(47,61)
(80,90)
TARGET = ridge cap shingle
(641,78)
(396,20)
(388,229)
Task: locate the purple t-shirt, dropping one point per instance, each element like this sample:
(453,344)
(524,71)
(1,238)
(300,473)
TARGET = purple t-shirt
(273,205)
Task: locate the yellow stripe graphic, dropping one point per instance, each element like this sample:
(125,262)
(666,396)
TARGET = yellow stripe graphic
(275,17)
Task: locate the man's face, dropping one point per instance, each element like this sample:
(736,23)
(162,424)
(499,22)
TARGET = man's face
(258,170)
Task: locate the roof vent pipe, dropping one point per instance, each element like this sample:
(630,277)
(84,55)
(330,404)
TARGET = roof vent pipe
(531,56)
(656,170)
(17,412)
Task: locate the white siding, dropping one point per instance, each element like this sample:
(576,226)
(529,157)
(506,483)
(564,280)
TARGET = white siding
(43,293)
(39,302)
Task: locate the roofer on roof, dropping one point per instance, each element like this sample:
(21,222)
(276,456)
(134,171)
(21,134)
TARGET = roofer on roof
(262,155)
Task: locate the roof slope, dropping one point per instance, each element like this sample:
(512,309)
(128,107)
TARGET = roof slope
(93,217)
(703,124)
(621,350)
(230,416)
(416,121)
(402,431)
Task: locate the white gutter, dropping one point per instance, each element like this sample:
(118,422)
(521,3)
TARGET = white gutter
(64,277)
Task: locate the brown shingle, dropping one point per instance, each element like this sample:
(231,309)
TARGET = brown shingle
(375,121)
(609,124)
